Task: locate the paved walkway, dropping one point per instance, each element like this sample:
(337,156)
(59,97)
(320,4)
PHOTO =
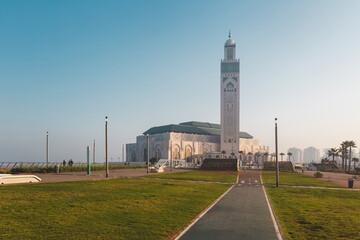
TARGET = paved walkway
(243,213)
(82,176)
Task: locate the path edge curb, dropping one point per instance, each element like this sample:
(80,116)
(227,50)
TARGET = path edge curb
(278,229)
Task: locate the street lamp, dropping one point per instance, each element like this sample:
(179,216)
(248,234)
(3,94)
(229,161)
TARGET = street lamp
(106,147)
(147,157)
(47,149)
(276,152)
(94,152)
(171,158)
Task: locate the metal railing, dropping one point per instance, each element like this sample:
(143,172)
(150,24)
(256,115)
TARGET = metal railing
(51,164)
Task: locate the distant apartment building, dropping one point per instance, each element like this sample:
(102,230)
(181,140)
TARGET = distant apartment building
(296,156)
(311,154)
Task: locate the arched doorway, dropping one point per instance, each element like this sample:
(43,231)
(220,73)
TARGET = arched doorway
(176,152)
(188,152)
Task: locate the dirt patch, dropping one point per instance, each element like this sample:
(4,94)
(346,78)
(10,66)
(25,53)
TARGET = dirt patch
(339,179)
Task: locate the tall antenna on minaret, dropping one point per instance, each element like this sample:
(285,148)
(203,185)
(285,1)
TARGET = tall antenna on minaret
(229,33)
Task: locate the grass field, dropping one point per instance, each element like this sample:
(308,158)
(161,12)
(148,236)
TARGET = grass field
(293,179)
(215,176)
(317,213)
(102,209)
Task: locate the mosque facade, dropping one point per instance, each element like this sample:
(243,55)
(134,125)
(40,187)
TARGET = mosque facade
(194,141)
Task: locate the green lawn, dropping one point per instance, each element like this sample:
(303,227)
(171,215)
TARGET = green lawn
(293,179)
(198,175)
(317,213)
(102,209)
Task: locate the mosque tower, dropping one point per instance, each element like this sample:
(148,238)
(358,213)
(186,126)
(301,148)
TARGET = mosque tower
(230,99)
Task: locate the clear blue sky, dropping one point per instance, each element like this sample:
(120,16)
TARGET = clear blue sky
(65,65)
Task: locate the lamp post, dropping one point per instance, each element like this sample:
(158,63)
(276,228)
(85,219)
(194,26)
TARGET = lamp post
(147,157)
(106,147)
(47,149)
(94,153)
(171,156)
(276,152)
(88,160)
(123,154)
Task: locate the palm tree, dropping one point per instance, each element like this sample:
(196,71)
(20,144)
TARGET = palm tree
(344,153)
(325,161)
(249,158)
(249,154)
(351,144)
(332,152)
(266,154)
(223,153)
(282,154)
(289,154)
(257,155)
(355,160)
(272,156)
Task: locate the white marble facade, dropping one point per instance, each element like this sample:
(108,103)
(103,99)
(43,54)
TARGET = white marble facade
(184,146)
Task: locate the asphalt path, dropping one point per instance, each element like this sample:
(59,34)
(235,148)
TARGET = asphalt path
(243,213)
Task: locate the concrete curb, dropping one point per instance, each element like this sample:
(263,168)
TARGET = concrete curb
(277,226)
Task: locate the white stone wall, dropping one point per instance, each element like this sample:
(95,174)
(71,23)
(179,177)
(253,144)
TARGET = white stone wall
(182,146)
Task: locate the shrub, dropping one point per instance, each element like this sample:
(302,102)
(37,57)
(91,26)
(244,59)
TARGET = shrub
(318,174)
(153,160)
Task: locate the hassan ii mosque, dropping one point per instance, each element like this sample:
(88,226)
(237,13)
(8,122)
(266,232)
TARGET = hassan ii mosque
(194,141)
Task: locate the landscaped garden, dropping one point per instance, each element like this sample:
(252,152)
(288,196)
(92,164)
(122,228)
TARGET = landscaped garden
(211,176)
(103,209)
(307,213)
(293,179)
(317,213)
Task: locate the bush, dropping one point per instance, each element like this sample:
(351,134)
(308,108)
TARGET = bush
(153,160)
(318,174)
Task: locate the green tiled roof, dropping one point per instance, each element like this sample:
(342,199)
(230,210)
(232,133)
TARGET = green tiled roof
(194,128)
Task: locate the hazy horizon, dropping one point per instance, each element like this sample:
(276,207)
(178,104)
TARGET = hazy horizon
(65,65)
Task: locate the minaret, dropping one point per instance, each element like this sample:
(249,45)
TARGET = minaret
(230,104)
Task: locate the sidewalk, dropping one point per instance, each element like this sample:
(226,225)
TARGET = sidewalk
(95,175)
(243,213)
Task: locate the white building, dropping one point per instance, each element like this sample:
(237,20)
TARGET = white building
(296,156)
(311,154)
(229,91)
(188,141)
(192,141)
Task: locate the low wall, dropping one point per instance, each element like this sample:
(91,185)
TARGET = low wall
(220,164)
(283,166)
